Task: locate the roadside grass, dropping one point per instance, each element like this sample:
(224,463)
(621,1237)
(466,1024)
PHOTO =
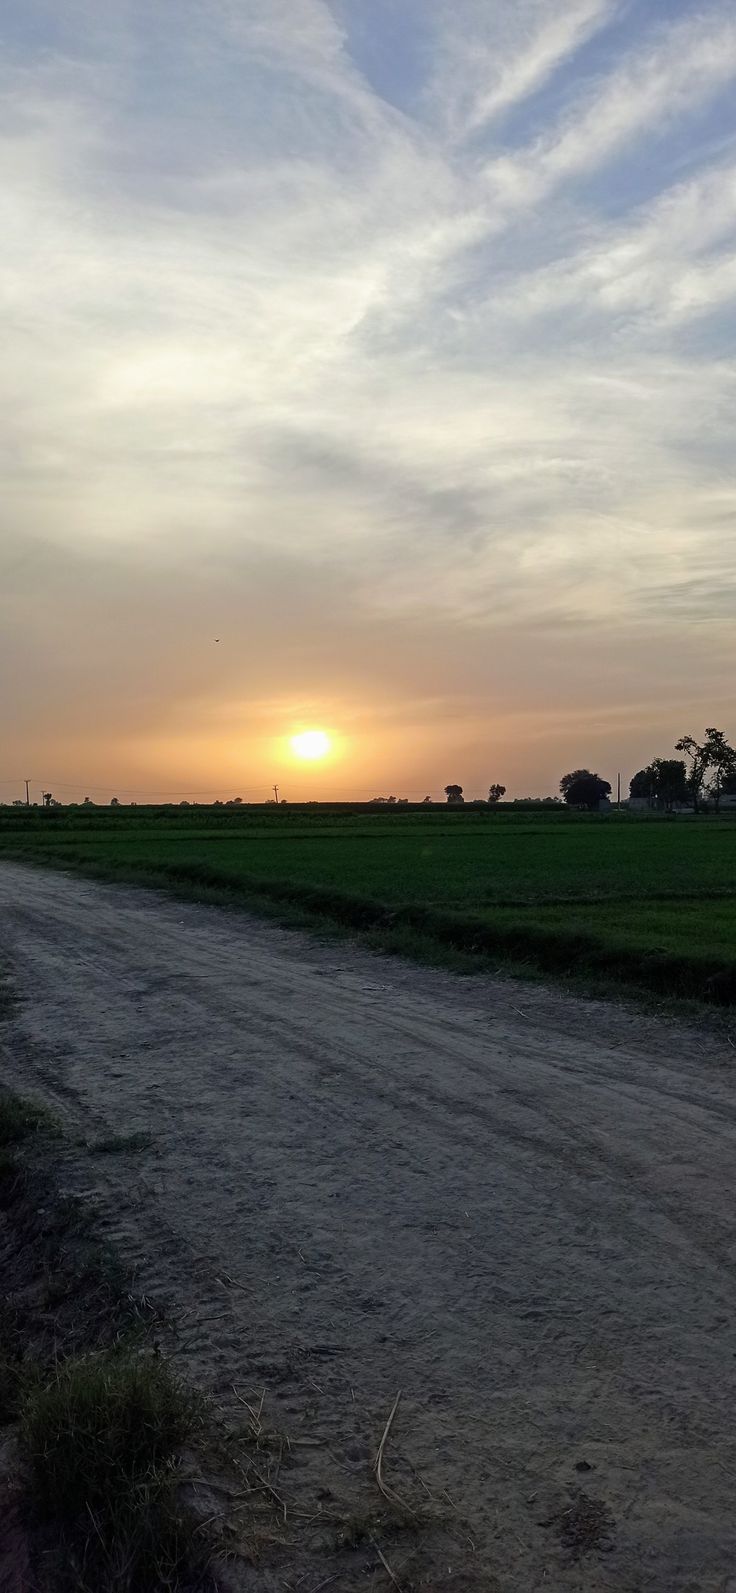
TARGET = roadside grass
(100,1417)
(101,1440)
(19,1118)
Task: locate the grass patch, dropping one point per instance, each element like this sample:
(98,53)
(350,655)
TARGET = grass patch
(19,1118)
(101,1441)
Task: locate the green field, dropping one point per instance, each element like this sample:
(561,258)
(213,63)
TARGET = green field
(649,901)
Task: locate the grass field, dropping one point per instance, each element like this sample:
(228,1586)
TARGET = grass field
(649,901)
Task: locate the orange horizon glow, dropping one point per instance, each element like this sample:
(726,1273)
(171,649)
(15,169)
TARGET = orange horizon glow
(222,749)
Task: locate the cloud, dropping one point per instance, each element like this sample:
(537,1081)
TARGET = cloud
(671,260)
(483,72)
(682,68)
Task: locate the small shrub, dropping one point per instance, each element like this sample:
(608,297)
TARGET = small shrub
(103,1421)
(101,1442)
(20,1118)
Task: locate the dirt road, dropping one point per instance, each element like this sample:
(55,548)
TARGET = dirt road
(517,1207)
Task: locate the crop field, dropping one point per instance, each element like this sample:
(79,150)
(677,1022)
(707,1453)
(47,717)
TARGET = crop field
(649,901)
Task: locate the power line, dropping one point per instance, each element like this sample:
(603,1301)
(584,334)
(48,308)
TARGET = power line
(157,790)
(153,790)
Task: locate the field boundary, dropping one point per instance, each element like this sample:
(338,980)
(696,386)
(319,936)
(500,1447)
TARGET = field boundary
(415,927)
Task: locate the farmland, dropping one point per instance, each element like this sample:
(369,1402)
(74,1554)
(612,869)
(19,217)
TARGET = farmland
(648,901)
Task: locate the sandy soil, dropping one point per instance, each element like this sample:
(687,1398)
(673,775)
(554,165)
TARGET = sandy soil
(515,1206)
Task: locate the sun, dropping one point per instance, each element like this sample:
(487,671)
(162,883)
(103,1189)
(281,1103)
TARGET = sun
(310,744)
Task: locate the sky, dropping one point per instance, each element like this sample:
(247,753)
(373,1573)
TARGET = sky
(367,365)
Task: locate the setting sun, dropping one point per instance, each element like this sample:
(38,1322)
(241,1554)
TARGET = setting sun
(310,744)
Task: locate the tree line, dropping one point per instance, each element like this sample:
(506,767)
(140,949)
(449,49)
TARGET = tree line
(708,770)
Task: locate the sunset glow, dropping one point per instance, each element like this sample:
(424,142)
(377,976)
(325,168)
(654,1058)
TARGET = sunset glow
(310,745)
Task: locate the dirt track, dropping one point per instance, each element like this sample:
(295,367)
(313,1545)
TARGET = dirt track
(516,1207)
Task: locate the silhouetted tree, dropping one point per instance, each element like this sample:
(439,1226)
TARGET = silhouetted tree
(662,783)
(114,802)
(454,794)
(495,793)
(714,753)
(582,789)
(698,759)
(722,763)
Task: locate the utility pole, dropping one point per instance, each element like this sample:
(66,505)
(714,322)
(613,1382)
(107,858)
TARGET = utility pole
(618,788)
(28,800)
(276,792)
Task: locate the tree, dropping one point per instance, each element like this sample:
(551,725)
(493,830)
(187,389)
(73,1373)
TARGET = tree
(582,789)
(640,784)
(454,794)
(114,802)
(722,763)
(698,758)
(714,753)
(662,783)
(495,793)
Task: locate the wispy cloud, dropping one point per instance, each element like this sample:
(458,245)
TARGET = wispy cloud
(672,260)
(480,72)
(671,76)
